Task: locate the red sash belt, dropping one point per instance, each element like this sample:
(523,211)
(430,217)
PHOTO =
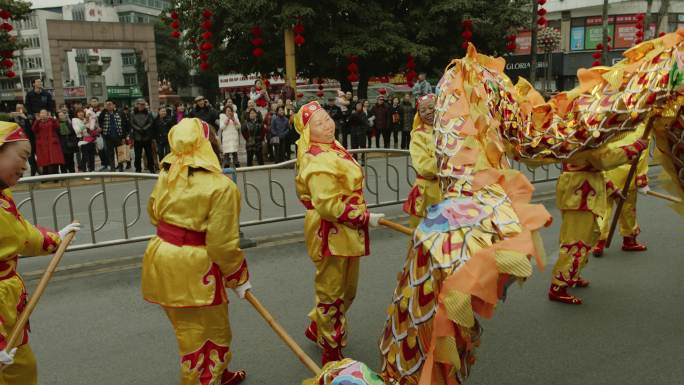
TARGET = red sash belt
(307,204)
(179,236)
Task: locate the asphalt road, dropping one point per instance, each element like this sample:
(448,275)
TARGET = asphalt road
(92,327)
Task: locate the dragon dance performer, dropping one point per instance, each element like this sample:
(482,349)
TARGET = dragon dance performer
(195,254)
(330,185)
(469,247)
(425,191)
(629,228)
(581,195)
(18,236)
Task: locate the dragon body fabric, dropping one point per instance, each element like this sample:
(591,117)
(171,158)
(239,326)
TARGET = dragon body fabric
(483,235)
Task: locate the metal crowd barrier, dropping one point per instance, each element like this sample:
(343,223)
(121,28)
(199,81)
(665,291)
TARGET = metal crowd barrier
(114,203)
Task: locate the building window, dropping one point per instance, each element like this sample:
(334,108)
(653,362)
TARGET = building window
(29,23)
(128,59)
(8,84)
(31,42)
(130,79)
(78,14)
(32,63)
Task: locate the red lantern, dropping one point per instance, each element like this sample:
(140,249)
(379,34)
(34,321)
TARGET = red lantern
(175,24)
(207,35)
(257,42)
(204,66)
(174,15)
(467,35)
(299,40)
(300,95)
(258,52)
(298,28)
(511,46)
(541,12)
(8,63)
(467,24)
(320,94)
(382,91)
(353,69)
(256,31)
(599,46)
(206,46)
(640,16)
(596,63)
(10,74)
(7,54)
(596,55)
(542,21)
(7,27)
(206,13)
(5,14)
(206,25)
(464,45)
(203,56)
(541,2)
(175,34)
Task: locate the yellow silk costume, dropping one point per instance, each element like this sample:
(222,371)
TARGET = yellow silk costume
(18,237)
(616,180)
(425,191)
(330,185)
(195,255)
(581,195)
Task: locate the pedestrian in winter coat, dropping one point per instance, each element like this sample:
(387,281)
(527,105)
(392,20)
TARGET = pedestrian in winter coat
(253,132)
(280,126)
(86,141)
(229,135)
(48,149)
(21,119)
(162,125)
(68,141)
(382,123)
(115,127)
(358,126)
(205,112)
(38,99)
(142,133)
(395,120)
(407,113)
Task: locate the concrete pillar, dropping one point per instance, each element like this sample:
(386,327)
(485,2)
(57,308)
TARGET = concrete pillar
(56,57)
(150,57)
(565,31)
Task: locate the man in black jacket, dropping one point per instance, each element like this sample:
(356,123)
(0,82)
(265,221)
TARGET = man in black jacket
(163,124)
(382,123)
(38,99)
(114,131)
(204,111)
(142,133)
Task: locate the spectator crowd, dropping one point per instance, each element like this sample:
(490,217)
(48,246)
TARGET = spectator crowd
(68,139)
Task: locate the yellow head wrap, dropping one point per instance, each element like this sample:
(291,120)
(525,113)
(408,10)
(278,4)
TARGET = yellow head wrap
(190,147)
(301,122)
(11,132)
